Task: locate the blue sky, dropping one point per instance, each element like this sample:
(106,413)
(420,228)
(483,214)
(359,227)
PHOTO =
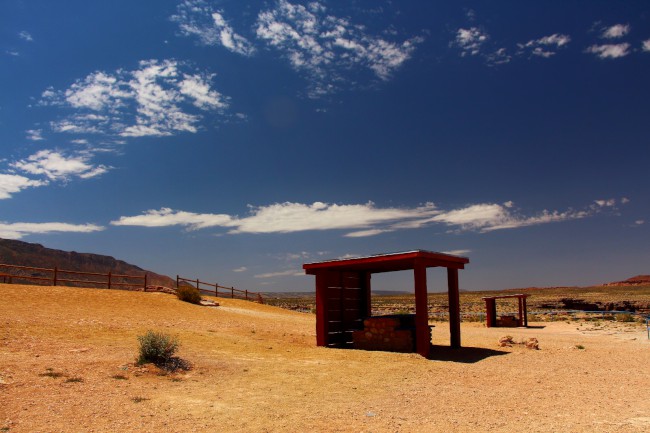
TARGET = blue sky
(235,141)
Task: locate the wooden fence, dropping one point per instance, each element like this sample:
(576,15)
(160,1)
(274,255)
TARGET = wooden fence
(225,292)
(110,280)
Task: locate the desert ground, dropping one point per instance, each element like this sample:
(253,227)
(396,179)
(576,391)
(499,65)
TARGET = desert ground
(67,364)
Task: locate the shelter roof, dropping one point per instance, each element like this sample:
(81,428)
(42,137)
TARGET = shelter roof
(518,295)
(389,262)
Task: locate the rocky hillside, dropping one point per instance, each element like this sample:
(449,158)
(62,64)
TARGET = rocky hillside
(639,280)
(20,253)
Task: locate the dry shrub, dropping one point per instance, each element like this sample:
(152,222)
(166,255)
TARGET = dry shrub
(189,294)
(157,348)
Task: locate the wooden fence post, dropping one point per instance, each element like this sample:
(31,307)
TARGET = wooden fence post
(178,279)
(109,280)
(55,274)
(246,294)
(145,283)
(197,284)
(232,292)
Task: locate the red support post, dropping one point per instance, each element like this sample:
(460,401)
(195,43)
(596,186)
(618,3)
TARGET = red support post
(454,307)
(422,337)
(321,308)
(525,312)
(368,297)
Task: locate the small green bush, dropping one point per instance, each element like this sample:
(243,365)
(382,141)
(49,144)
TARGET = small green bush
(157,348)
(189,294)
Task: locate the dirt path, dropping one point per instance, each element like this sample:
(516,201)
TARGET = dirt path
(66,365)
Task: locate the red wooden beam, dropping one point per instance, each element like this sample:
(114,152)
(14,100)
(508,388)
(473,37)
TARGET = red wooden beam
(321,308)
(454,307)
(422,337)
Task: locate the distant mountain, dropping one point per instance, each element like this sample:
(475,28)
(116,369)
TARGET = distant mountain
(639,280)
(20,253)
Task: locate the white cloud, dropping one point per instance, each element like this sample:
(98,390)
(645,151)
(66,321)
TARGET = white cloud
(369,219)
(323,46)
(615,31)
(13,183)
(152,100)
(56,166)
(26,36)
(606,203)
(457,252)
(293,217)
(167,217)
(470,40)
(545,46)
(198,18)
(242,269)
(19,230)
(289,273)
(197,87)
(646,45)
(366,233)
(610,51)
(35,134)
(98,91)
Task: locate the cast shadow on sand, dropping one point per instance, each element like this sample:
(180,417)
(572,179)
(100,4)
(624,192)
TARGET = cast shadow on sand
(466,355)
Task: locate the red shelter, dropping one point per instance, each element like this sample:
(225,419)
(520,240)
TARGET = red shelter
(343,294)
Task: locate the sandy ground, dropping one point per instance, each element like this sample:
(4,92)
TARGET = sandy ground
(67,365)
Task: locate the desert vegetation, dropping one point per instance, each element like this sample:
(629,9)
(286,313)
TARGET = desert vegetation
(544,304)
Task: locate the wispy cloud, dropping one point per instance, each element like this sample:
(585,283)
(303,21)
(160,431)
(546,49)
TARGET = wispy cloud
(153,100)
(473,41)
(616,31)
(198,18)
(364,219)
(241,269)
(14,183)
(323,46)
(166,217)
(610,51)
(646,46)
(34,134)
(288,273)
(457,252)
(545,46)
(26,36)
(20,230)
(56,166)
(470,41)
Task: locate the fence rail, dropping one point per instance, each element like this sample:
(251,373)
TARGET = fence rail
(225,292)
(55,278)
